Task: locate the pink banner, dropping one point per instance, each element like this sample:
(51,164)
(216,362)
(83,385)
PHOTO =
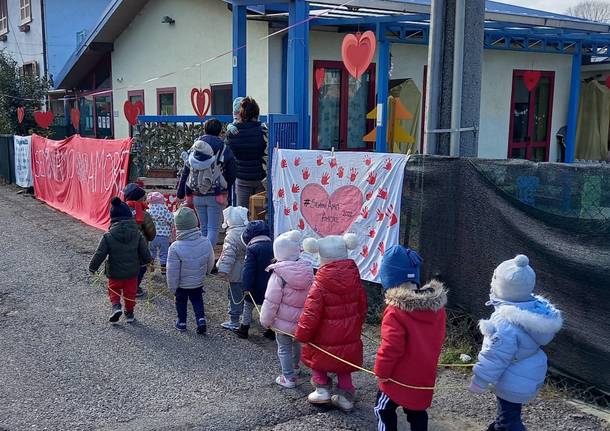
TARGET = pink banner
(80,175)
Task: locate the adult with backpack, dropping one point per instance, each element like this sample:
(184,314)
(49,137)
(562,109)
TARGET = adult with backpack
(207,177)
(248,141)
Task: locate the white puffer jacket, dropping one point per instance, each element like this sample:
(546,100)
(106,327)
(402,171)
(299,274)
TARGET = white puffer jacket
(190,259)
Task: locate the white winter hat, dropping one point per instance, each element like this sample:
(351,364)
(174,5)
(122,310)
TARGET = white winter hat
(287,246)
(514,280)
(332,247)
(203,148)
(235,216)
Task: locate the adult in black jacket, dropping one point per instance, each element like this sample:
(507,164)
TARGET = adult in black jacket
(248,141)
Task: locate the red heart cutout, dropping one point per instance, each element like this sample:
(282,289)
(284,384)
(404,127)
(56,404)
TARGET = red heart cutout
(75,118)
(358,51)
(330,215)
(201,101)
(43,119)
(132,110)
(320,77)
(608,82)
(531,79)
(20,114)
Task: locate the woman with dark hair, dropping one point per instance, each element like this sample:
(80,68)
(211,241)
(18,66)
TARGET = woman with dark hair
(248,141)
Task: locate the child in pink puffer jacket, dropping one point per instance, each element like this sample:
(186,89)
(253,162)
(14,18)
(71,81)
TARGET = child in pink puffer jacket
(286,293)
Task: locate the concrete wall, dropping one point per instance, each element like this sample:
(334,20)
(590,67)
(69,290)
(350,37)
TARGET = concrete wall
(148,48)
(24,47)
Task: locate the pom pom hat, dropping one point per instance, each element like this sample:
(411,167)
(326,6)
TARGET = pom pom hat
(400,265)
(235,216)
(514,280)
(287,246)
(332,247)
(119,210)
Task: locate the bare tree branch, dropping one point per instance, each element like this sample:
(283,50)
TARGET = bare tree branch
(593,10)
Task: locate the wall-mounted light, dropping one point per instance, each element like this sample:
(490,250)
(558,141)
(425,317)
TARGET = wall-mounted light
(168,20)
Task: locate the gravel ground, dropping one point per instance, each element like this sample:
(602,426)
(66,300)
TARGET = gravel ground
(65,367)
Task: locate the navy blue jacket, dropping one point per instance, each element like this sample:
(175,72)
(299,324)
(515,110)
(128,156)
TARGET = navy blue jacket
(229,167)
(259,255)
(249,146)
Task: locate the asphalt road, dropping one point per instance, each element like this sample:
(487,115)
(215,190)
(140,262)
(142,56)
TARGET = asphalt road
(64,367)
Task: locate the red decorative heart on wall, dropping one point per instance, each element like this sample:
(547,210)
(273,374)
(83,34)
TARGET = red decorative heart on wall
(43,119)
(201,101)
(531,79)
(75,118)
(132,110)
(608,82)
(357,51)
(20,114)
(320,77)
(330,215)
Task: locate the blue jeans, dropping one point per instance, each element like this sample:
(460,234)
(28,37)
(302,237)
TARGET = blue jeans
(141,274)
(196,298)
(508,417)
(160,244)
(209,212)
(235,292)
(289,353)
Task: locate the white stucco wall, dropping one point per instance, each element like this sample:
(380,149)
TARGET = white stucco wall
(148,48)
(24,47)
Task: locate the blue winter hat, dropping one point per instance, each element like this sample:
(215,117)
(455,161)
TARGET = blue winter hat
(119,210)
(133,192)
(399,265)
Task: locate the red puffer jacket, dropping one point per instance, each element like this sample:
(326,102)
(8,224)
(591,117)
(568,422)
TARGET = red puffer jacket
(412,334)
(332,318)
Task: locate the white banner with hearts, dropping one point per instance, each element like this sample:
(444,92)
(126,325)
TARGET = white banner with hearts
(23,161)
(323,193)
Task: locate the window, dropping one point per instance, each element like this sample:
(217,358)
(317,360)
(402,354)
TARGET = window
(135,96)
(166,101)
(3,17)
(96,115)
(530,116)
(30,69)
(103,116)
(25,7)
(222,99)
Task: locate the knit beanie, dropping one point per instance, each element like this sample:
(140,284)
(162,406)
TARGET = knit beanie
(287,246)
(133,192)
(332,247)
(514,280)
(156,198)
(237,104)
(119,210)
(399,265)
(185,219)
(235,216)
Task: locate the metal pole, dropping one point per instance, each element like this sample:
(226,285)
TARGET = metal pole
(239,50)
(458,70)
(433,84)
(383,68)
(573,106)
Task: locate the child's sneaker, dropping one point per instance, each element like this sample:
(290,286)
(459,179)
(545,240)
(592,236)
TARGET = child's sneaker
(290,383)
(297,370)
(231,326)
(117,311)
(269,334)
(319,396)
(129,317)
(242,331)
(343,401)
(180,326)
(201,326)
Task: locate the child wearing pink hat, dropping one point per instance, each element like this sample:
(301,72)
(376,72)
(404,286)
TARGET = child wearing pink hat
(164,221)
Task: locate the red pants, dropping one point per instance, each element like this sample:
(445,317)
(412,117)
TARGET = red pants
(126,287)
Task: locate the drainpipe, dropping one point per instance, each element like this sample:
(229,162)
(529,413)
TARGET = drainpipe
(433,84)
(458,69)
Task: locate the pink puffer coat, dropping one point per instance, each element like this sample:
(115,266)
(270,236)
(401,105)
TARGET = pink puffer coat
(286,293)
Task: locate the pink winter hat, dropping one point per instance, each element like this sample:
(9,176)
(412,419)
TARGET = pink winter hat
(156,198)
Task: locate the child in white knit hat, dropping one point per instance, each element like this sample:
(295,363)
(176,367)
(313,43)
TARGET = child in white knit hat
(511,363)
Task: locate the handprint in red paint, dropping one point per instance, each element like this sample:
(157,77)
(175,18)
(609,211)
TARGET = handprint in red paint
(368,196)
(297,161)
(341,172)
(391,215)
(325,179)
(365,212)
(281,193)
(333,163)
(295,188)
(381,248)
(374,269)
(295,207)
(372,178)
(380,215)
(320,160)
(368,161)
(306,174)
(365,251)
(284,163)
(388,164)
(287,211)
(372,233)
(302,224)
(382,194)
(353,174)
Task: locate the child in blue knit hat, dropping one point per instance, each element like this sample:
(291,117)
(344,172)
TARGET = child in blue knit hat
(412,334)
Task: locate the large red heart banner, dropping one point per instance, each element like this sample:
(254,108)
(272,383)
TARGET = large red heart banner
(323,193)
(357,52)
(201,101)
(43,119)
(132,110)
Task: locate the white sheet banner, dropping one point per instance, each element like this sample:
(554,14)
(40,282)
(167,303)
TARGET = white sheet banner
(23,161)
(323,193)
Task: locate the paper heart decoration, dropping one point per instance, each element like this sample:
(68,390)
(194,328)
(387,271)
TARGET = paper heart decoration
(357,52)
(608,82)
(132,110)
(201,101)
(330,215)
(20,114)
(75,118)
(43,119)
(531,79)
(320,77)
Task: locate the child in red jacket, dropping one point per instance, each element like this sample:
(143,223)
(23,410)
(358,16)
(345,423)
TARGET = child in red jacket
(332,319)
(412,334)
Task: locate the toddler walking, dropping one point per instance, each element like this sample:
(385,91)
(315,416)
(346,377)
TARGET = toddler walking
(190,259)
(287,290)
(332,319)
(126,249)
(230,264)
(412,335)
(164,221)
(511,363)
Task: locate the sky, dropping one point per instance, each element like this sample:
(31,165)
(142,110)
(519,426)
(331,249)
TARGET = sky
(558,6)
